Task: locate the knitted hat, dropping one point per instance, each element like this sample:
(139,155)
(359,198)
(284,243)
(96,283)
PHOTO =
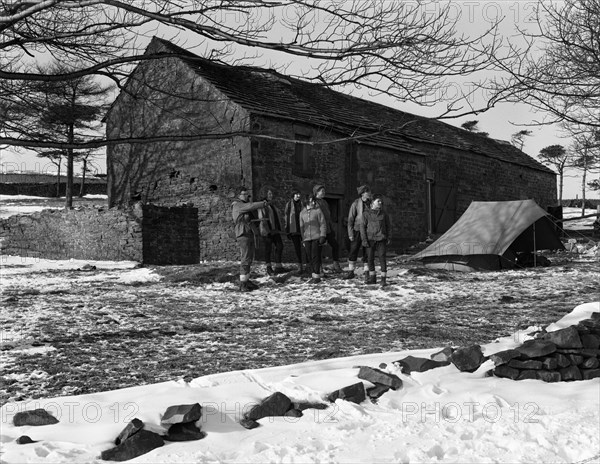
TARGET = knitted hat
(317,187)
(363,189)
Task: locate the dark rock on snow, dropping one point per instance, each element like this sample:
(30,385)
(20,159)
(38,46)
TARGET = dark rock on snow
(25,440)
(467,359)
(379,377)
(140,443)
(186,431)
(130,429)
(35,417)
(249,423)
(377,391)
(182,413)
(571,373)
(443,355)
(503,357)
(536,348)
(507,372)
(565,338)
(276,404)
(354,393)
(413,364)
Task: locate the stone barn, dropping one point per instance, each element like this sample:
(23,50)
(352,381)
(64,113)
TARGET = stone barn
(240,125)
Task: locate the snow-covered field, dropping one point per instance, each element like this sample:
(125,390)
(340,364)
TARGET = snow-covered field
(100,343)
(27,204)
(441,415)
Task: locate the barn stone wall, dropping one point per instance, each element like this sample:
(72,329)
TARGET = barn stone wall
(481,178)
(86,233)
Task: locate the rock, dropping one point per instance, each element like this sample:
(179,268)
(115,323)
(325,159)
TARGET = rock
(35,417)
(589,374)
(249,423)
(561,360)
(590,353)
(25,440)
(549,376)
(527,364)
(590,363)
(379,377)
(186,431)
(182,413)
(443,355)
(276,404)
(536,348)
(377,391)
(467,359)
(354,393)
(293,413)
(506,372)
(570,373)
(549,363)
(503,357)
(130,429)
(575,359)
(413,364)
(383,366)
(304,406)
(565,338)
(527,374)
(136,445)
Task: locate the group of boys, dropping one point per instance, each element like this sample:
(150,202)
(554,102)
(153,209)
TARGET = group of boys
(369,230)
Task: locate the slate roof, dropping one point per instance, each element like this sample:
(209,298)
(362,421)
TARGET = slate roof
(268,92)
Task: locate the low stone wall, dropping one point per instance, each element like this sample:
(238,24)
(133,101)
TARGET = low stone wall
(49,190)
(85,233)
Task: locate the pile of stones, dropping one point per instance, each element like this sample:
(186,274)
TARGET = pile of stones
(567,354)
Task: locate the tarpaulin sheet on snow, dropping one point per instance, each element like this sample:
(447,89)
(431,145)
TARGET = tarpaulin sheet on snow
(489,234)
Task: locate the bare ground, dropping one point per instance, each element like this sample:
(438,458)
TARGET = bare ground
(72,332)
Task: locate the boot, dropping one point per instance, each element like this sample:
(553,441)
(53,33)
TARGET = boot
(336,267)
(244,287)
(270,271)
(252,285)
(300,270)
(366,277)
(372,280)
(383,281)
(349,275)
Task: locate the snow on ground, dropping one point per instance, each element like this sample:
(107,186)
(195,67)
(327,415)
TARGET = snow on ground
(11,205)
(441,415)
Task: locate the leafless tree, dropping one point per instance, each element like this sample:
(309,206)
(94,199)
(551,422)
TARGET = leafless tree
(559,158)
(558,70)
(408,50)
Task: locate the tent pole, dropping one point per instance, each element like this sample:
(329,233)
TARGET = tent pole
(534,247)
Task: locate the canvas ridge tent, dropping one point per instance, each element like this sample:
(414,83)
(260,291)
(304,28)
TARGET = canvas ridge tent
(489,235)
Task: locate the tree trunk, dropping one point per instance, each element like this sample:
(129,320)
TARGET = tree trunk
(84,169)
(58,178)
(69,192)
(585,168)
(560,187)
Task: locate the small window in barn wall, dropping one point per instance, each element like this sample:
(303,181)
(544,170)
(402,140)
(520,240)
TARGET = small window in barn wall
(304,163)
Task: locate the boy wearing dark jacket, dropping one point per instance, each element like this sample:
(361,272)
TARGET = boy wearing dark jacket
(376,233)
(292,226)
(246,231)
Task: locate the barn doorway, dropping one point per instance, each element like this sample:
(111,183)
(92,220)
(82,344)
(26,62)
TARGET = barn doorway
(443,206)
(170,235)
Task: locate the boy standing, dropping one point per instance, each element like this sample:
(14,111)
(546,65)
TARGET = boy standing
(376,233)
(246,231)
(355,217)
(319,193)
